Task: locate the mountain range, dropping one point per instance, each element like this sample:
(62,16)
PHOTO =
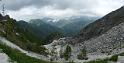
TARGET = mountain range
(77,39)
(69,26)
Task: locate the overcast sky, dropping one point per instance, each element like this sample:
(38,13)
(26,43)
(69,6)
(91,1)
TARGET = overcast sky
(33,9)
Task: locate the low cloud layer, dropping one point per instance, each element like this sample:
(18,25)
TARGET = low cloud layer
(27,9)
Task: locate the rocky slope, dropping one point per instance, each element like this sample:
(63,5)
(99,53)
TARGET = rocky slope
(100,39)
(109,42)
(4,58)
(105,35)
(102,25)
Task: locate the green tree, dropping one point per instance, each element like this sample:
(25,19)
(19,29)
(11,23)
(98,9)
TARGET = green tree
(67,53)
(82,55)
(52,36)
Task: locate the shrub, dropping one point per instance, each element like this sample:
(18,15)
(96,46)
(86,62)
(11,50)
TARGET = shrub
(114,58)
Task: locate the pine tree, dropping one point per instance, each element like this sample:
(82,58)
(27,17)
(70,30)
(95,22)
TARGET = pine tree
(83,54)
(67,53)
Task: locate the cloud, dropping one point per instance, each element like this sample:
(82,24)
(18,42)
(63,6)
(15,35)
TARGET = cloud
(47,11)
(18,4)
(27,9)
(61,4)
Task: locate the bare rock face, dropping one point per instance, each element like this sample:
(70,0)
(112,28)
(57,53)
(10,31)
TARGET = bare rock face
(102,25)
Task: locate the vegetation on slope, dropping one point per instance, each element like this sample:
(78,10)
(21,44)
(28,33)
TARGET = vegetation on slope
(43,29)
(26,30)
(19,57)
(44,33)
(52,36)
(21,37)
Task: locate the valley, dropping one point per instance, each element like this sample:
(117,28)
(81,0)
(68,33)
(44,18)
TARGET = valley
(61,35)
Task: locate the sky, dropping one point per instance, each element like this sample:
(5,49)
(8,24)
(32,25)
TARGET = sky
(59,9)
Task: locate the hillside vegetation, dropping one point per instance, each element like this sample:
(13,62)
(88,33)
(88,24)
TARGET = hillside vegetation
(18,57)
(22,37)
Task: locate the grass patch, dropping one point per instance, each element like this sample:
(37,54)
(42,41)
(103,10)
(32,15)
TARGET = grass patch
(16,55)
(114,58)
(98,61)
(121,54)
